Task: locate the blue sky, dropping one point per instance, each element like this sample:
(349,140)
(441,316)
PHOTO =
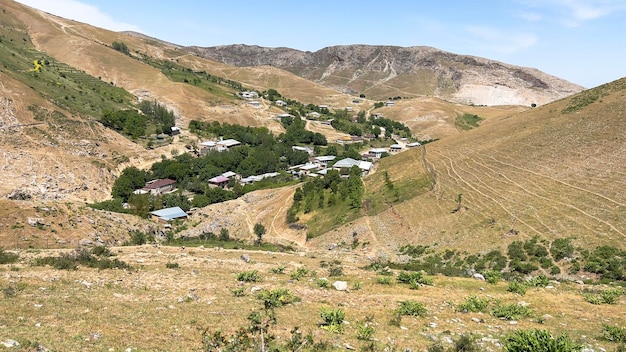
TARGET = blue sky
(578,40)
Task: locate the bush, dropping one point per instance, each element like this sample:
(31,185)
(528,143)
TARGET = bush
(473,304)
(365,332)
(239,291)
(414,278)
(511,311)
(279,269)
(8,257)
(299,273)
(172,265)
(539,281)
(332,319)
(466,343)
(101,251)
(517,287)
(276,298)
(539,341)
(614,333)
(249,276)
(610,296)
(383,280)
(412,308)
(492,276)
(323,283)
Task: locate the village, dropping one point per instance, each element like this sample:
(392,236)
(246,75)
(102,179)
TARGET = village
(315,165)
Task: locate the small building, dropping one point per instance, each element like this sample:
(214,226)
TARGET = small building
(175,131)
(344,166)
(302,149)
(308,168)
(328,122)
(158,187)
(377,152)
(349,108)
(394,148)
(413,145)
(166,215)
(230,174)
(226,144)
(280,103)
(389,103)
(218,181)
(323,160)
(314,115)
(281,116)
(249,95)
(255,104)
(377,115)
(324,107)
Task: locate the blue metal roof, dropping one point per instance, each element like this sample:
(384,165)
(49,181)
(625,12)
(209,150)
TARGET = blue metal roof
(170,213)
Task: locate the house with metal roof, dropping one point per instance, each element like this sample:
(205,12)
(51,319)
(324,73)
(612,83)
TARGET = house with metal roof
(168,214)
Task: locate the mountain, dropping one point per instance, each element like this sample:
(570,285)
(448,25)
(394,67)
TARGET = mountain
(381,72)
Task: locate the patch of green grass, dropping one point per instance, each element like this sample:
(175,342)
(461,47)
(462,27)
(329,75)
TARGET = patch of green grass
(467,121)
(511,311)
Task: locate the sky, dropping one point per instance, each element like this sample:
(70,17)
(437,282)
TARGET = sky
(577,40)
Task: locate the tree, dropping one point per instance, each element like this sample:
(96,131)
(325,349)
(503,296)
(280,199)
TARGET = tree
(131,179)
(259,231)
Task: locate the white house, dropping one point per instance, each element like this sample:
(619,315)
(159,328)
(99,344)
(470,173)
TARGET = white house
(413,145)
(344,166)
(377,152)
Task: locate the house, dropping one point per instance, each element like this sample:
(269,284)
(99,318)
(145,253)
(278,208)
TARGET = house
(280,116)
(323,160)
(394,148)
(328,122)
(168,214)
(280,103)
(344,166)
(218,181)
(349,108)
(314,115)
(377,152)
(157,187)
(255,104)
(249,95)
(307,168)
(175,131)
(369,136)
(302,149)
(377,115)
(230,174)
(323,107)
(251,179)
(389,103)
(413,145)
(226,144)
(349,140)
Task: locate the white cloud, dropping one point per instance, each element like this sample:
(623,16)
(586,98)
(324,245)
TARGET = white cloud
(530,16)
(502,42)
(573,13)
(78,11)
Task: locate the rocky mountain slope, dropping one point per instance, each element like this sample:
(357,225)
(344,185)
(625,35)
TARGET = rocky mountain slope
(380,72)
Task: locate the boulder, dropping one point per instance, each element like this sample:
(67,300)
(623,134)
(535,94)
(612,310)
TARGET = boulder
(340,285)
(245,258)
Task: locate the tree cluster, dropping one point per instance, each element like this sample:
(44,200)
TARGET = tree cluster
(135,123)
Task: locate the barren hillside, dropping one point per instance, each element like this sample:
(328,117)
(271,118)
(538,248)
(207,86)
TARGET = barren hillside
(388,71)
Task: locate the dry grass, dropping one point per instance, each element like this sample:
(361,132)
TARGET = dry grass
(159,309)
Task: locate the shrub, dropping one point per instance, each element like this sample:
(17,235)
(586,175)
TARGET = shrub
(539,341)
(539,281)
(249,276)
(357,286)
(172,265)
(276,298)
(101,251)
(365,332)
(413,278)
(412,308)
(332,319)
(466,343)
(279,269)
(614,333)
(7,257)
(511,311)
(473,304)
(383,280)
(239,291)
(299,273)
(517,287)
(610,296)
(492,276)
(323,283)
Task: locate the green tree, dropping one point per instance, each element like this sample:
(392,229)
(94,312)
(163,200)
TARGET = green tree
(259,231)
(131,179)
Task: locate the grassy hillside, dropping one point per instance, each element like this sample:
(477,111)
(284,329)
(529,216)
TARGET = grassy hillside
(555,171)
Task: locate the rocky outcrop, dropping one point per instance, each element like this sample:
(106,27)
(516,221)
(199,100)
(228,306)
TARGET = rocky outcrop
(381,72)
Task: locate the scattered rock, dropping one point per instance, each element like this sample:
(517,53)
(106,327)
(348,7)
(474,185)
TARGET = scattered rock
(340,285)
(332,246)
(478,276)
(349,347)
(432,325)
(10,343)
(34,222)
(254,289)
(245,258)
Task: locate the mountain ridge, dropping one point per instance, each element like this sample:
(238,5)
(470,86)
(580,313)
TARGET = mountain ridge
(382,71)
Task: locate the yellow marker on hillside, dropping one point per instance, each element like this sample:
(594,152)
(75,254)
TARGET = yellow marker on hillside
(37,66)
